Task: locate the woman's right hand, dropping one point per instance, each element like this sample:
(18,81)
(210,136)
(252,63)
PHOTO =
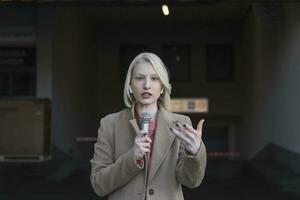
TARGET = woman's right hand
(141,146)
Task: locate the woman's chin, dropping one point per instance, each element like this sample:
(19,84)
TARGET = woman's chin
(147,102)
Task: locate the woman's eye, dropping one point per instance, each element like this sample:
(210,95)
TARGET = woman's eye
(155,78)
(139,78)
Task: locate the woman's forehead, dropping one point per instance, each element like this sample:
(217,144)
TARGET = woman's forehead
(144,68)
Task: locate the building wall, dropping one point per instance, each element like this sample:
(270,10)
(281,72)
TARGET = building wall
(270,54)
(78,68)
(112,37)
(74,67)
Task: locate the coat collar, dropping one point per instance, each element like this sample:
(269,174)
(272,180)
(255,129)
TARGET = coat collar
(133,121)
(163,138)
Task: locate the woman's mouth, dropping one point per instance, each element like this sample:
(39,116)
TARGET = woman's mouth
(146,94)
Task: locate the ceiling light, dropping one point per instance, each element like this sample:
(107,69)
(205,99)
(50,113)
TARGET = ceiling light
(165,9)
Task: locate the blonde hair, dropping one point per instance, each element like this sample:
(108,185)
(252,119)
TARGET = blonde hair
(160,68)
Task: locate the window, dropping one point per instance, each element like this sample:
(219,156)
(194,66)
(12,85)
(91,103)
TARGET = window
(177,59)
(17,72)
(219,62)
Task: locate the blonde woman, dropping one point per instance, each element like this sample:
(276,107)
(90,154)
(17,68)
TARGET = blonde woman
(131,165)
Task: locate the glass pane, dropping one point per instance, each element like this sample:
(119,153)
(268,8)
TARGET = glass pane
(17,57)
(220,65)
(23,84)
(177,59)
(216,138)
(4,84)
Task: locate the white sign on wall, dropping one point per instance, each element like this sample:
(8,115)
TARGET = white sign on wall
(17,36)
(189,105)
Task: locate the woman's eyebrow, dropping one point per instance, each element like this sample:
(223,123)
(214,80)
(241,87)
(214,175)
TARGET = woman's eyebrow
(139,74)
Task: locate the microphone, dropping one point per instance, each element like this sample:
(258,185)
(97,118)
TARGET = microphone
(144,122)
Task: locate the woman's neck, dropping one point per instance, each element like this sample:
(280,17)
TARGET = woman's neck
(151,109)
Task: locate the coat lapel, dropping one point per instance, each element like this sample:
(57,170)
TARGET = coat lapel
(133,121)
(163,138)
(162,142)
(135,126)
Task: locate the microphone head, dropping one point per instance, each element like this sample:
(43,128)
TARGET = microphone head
(144,122)
(145,118)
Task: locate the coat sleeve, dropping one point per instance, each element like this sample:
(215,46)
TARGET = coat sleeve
(190,169)
(108,174)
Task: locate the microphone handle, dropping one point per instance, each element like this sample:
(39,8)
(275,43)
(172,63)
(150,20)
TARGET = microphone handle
(145,129)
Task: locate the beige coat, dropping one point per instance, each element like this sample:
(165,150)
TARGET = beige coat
(114,172)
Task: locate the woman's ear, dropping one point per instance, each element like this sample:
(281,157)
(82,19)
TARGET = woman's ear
(130,90)
(162,91)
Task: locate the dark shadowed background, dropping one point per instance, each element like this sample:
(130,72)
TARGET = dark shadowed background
(62,67)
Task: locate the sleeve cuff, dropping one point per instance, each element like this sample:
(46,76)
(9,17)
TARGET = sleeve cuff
(139,163)
(188,154)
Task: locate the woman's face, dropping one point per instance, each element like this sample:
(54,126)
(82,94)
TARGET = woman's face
(145,84)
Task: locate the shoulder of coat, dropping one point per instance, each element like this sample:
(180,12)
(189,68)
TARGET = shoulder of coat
(179,117)
(117,116)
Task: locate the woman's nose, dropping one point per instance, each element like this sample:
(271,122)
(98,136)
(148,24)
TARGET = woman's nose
(147,83)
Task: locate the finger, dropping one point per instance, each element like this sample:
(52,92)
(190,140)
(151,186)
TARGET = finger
(140,134)
(190,129)
(143,133)
(179,126)
(200,125)
(146,139)
(145,145)
(189,135)
(140,144)
(182,137)
(182,128)
(184,143)
(145,150)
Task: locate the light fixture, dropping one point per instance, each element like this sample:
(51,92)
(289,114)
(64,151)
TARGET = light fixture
(165,9)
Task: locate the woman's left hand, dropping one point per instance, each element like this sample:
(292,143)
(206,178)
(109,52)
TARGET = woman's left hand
(190,137)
